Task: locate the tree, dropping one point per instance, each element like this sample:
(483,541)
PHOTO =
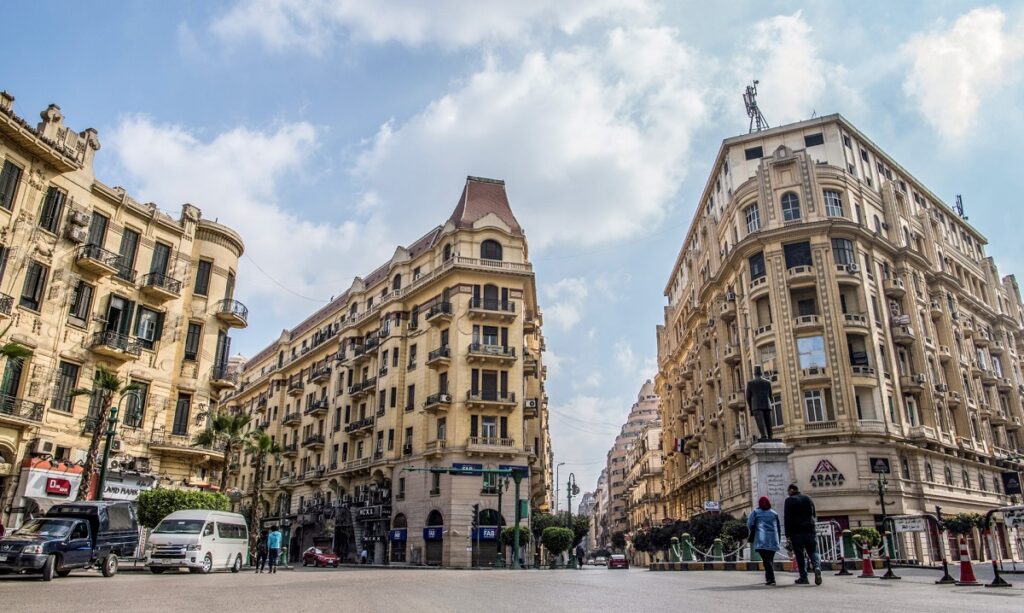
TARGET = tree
(541,521)
(227,429)
(867,535)
(705,528)
(962,524)
(556,540)
(260,446)
(642,541)
(507,537)
(619,540)
(12,350)
(105,387)
(155,504)
(580,528)
(734,534)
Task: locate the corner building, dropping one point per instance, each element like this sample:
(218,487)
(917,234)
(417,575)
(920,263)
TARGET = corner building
(89,277)
(885,329)
(431,360)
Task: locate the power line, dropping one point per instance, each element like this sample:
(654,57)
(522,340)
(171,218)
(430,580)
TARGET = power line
(282,285)
(586,421)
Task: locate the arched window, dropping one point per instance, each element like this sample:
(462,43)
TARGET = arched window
(928,474)
(949,476)
(490,250)
(352,310)
(490,517)
(435,518)
(396,283)
(790,206)
(399,521)
(447,255)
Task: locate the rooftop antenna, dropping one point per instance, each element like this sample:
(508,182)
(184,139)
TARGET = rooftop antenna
(757,120)
(959,207)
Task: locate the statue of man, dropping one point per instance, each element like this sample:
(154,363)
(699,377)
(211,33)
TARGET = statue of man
(759,401)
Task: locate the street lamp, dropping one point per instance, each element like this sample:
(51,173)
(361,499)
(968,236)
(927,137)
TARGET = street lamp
(556,485)
(111,430)
(879,487)
(571,489)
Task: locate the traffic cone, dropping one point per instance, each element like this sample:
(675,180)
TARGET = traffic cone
(867,569)
(966,569)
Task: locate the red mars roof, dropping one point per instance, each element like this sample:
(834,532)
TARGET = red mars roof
(481,197)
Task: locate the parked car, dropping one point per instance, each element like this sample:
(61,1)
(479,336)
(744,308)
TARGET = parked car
(199,540)
(601,561)
(70,536)
(315,556)
(618,561)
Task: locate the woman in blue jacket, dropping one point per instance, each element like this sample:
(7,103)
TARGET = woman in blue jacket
(766,535)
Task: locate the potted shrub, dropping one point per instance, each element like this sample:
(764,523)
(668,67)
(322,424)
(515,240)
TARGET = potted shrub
(556,540)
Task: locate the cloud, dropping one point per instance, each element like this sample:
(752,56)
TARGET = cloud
(564,302)
(235,176)
(312,26)
(953,70)
(593,141)
(633,367)
(585,428)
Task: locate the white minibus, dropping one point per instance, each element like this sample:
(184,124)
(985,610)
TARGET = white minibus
(198,540)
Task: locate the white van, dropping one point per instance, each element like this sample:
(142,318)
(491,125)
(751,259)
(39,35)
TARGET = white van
(199,540)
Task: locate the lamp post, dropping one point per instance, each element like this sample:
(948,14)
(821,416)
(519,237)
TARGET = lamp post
(111,430)
(556,485)
(571,489)
(879,486)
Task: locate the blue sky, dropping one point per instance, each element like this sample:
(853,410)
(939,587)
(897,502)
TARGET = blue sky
(330,131)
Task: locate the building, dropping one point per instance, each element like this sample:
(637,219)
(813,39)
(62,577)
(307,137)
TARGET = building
(872,307)
(643,411)
(431,360)
(91,277)
(586,508)
(600,536)
(645,506)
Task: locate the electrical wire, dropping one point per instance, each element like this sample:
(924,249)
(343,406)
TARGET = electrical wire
(282,285)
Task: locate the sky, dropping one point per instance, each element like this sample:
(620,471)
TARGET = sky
(329,131)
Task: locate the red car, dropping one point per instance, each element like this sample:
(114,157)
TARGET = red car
(618,561)
(319,557)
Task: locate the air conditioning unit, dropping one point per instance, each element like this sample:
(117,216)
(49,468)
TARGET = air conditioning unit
(920,378)
(853,268)
(730,296)
(445,397)
(77,234)
(941,387)
(79,217)
(114,464)
(115,445)
(43,445)
(142,465)
(531,403)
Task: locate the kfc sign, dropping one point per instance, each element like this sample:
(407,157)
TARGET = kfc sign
(59,487)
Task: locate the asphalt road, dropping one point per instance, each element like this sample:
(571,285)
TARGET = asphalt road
(592,589)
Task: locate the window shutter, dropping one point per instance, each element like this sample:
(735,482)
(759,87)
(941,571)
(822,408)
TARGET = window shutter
(126,321)
(504,427)
(473,425)
(158,333)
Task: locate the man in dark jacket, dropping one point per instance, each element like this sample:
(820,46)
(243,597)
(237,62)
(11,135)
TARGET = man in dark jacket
(759,401)
(800,530)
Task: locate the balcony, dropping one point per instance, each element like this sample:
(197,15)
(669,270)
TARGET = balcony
(530,364)
(920,433)
(317,408)
(441,311)
(292,419)
(806,322)
(988,376)
(501,310)
(997,347)
(234,468)
(316,474)
(233,313)
(816,426)
(6,305)
(222,377)
(287,480)
(981,339)
(814,375)
(96,260)
(737,400)
(758,286)
(479,352)
(437,402)
(160,286)
(856,321)
(935,309)
(320,374)
(360,427)
(913,383)
(1013,422)
(945,354)
(295,387)
(182,445)
(893,287)
(491,399)
(435,448)
(382,372)
(489,445)
(903,335)
(727,310)
(116,346)
(731,354)
(953,399)
(862,370)
(261,404)
(362,353)
(314,441)
(763,332)
(1003,384)
(356,466)
(799,275)
(531,408)
(290,450)
(439,357)
(364,387)
(19,411)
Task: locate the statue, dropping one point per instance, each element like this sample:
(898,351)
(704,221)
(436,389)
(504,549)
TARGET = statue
(759,400)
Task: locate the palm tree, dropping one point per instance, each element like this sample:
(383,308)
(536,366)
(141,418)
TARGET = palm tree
(13,352)
(227,429)
(105,387)
(261,446)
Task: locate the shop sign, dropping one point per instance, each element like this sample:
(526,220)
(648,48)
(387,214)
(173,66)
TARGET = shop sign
(433,534)
(369,512)
(712,506)
(128,489)
(909,524)
(373,538)
(524,471)
(58,487)
(467,470)
(880,466)
(826,475)
(398,534)
(486,534)
(1011,483)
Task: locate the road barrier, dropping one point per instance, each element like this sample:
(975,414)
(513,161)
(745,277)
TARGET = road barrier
(867,569)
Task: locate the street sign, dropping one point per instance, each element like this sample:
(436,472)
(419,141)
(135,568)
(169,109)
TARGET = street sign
(880,466)
(824,528)
(712,505)
(909,524)
(1014,517)
(1011,483)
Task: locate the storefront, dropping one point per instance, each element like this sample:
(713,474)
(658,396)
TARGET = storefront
(43,484)
(122,486)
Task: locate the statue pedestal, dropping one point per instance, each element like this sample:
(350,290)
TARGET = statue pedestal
(769,472)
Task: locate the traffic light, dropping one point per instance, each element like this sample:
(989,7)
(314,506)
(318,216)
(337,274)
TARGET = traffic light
(476,516)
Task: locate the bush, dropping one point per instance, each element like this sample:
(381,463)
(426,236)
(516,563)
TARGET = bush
(962,523)
(734,534)
(870,535)
(542,521)
(619,540)
(707,527)
(642,541)
(556,540)
(507,536)
(155,504)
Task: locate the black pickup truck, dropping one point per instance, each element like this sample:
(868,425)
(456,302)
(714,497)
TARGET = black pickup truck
(72,535)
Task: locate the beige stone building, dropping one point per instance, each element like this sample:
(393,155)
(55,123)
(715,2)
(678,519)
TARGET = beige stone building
(90,277)
(431,360)
(645,506)
(643,412)
(884,327)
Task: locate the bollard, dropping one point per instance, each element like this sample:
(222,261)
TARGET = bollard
(674,550)
(754,556)
(843,553)
(716,550)
(687,548)
(888,560)
(946,578)
(966,569)
(997,581)
(849,547)
(867,570)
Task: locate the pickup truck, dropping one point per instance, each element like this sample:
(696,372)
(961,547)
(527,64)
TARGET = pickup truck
(72,535)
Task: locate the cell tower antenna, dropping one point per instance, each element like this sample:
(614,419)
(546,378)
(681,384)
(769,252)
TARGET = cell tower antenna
(757,120)
(959,207)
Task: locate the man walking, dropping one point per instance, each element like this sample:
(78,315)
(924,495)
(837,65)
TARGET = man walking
(580,553)
(800,530)
(273,547)
(261,551)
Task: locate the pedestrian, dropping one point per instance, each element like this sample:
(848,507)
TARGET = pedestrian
(765,536)
(580,554)
(273,547)
(261,551)
(800,531)
(363,556)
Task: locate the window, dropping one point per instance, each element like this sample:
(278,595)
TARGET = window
(753,215)
(813,140)
(776,411)
(913,419)
(757,269)
(135,405)
(797,254)
(842,252)
(203,278)
(129,248)
(192,340)
(410,398)
(67,380)
(148,327)
(814,407)
(396,283)
(489,426)
(81,304)
(53,206)
(790,207)
(9,178)
(490,250)
(846,142)
(161,258)
(754,153)
(182,408)
(864,155)
(811,351)
(35,285)
(833,203)
(97,230)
